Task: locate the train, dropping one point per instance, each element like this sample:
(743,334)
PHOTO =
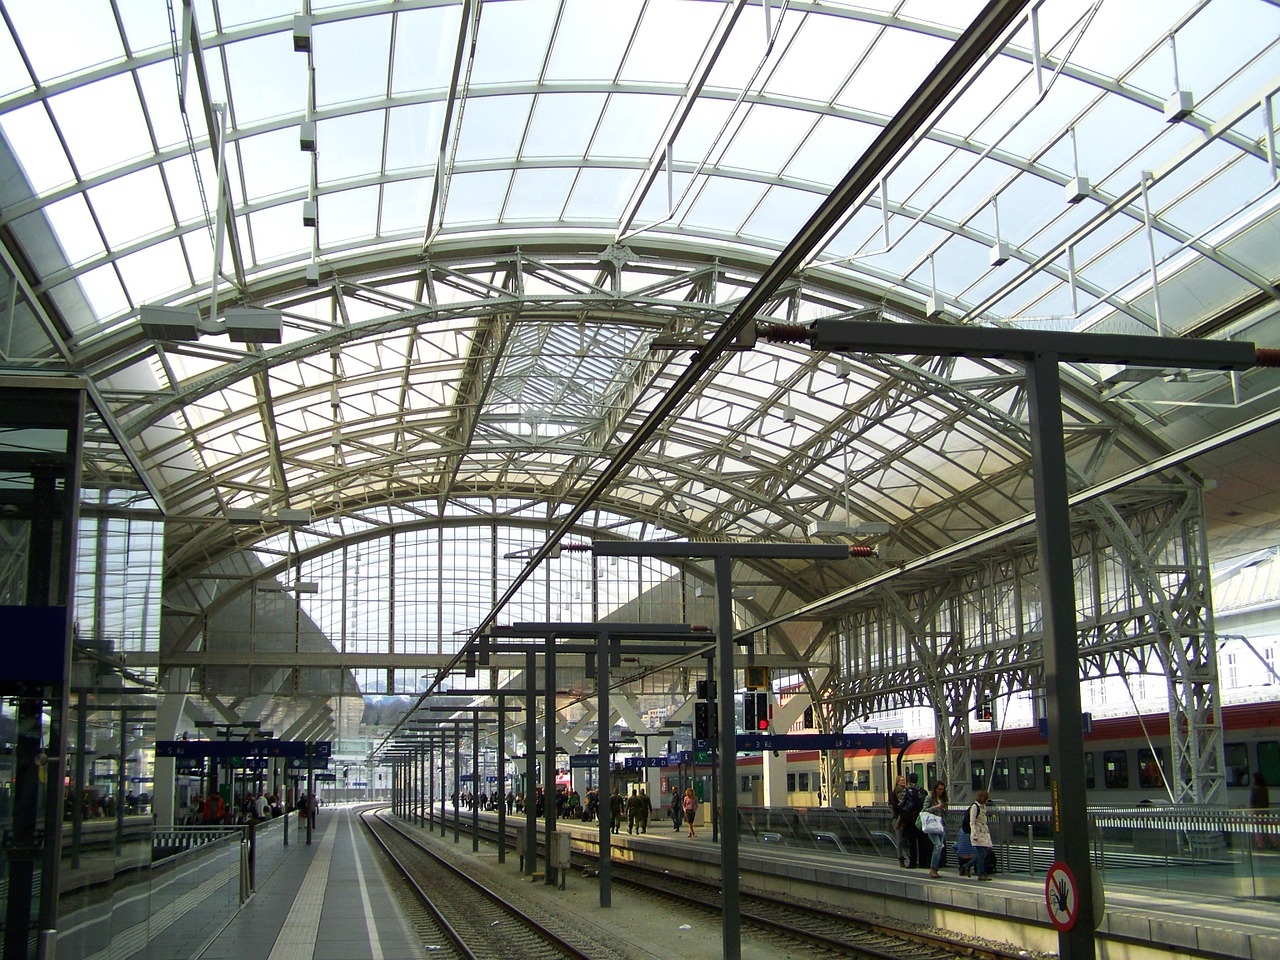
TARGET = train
(1127,762)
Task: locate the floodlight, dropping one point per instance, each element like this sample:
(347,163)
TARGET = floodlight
(313,274)
(1180,106)
(293,518)
(309,216)
(307,136)
(934,307)
(254,325)
(306,586)
(170,323)
(1077,189)
(243,515)
(302,34)
(998,255)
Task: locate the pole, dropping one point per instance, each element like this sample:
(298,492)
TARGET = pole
(549,764)
(603,726)
(502,779)
(731,923)
(475,787)
(530,751)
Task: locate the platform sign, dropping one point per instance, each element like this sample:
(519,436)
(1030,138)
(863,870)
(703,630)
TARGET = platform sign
(1062,896)
(235,749)
(583,761)
(759,742)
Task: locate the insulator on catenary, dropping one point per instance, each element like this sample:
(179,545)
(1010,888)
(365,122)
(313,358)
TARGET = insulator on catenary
(575,547)
(858,551)
(784,333)
(1268,356)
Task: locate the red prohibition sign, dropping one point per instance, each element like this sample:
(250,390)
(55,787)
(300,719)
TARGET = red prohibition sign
(1062,896)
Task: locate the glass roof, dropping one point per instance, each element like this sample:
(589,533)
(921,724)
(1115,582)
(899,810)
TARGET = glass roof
(476,217)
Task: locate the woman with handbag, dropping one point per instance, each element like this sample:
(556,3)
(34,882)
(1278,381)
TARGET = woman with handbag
(933,823)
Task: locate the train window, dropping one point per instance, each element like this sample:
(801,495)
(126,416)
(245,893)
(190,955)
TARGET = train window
(848,780)
(978,774)
(1026,773)
(746,784)
(932,777)
(804,783)
(864,779)
(1047,771)
(791,783)
(1090,771)
(1237,757)
(1115,770)
(1269,762)
(1000,775)
(920,779)
(1149,775)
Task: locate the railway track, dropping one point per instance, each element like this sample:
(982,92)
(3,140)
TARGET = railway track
(461,917)
(788,925)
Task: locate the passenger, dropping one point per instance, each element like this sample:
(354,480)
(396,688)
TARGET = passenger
(937,805)
(675,809)
(689,806)
(913,801)
(616,803)
(633,812)
(644,808)
(980,833)
(895,806)
(214,810)
(511,802)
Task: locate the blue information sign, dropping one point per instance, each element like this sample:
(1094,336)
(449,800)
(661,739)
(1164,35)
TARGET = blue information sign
(581,761)
(754,742)
(231,749)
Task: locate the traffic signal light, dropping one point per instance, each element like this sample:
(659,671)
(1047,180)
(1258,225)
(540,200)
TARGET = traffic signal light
(984,708)
(755,712)
(703,721)
(757,678)
(706,689)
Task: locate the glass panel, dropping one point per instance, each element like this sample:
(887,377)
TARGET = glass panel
(1115,766)
(1237,760)
(1026,773)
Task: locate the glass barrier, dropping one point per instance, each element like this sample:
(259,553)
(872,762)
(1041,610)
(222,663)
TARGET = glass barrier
(170,889)
(1223,852)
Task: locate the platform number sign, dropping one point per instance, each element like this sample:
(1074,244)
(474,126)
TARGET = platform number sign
(1062,896)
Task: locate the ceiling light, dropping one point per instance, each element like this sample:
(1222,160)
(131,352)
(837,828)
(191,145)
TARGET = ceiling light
(307,136)
(309,213)
(243,515)
(170,323)
(254,325)
(302,34)
(293,518)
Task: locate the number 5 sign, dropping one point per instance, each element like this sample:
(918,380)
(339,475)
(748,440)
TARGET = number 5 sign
(1062,896)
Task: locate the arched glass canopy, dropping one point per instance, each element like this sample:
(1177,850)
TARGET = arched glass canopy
(495,233)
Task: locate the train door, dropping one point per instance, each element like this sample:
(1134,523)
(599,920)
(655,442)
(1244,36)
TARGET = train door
(1269,762)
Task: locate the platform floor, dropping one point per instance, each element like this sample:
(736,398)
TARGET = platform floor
(326,901)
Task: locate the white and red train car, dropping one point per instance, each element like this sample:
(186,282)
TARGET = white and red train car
(1126,762)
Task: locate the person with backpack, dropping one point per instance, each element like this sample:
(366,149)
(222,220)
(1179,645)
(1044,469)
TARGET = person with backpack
(919,847)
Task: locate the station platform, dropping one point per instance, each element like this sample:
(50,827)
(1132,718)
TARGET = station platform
(1137,921)
(325,901)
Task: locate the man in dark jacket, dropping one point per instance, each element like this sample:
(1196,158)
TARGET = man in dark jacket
(919,846)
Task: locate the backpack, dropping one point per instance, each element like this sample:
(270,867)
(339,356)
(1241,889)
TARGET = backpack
(912,804)
(967,826)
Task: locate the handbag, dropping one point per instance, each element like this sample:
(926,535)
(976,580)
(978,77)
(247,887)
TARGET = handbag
(930,823)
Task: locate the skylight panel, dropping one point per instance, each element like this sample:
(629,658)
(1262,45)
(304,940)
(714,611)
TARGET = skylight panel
(562,124)
(632,125)
(348,147)
(73,225)
(538,194)
(767,138)
(893,69)
(476,197)
(956,14)
(102,123)
(341,77)
(35,144)
(404,205)
(347,215)
(272,164)
(600,194)
(99,290)
(781,214)
(132,206)
(512,41)
(277,233)
(268,79)
(660,53)
(413,136)
(819,58)
(492,127)
(723,203)
(60,42)
(235,15)
(154,272)
(591,39)
(424,49)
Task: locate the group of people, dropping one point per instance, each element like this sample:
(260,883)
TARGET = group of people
(919,819)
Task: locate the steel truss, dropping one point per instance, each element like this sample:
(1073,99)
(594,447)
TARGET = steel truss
(1142,587)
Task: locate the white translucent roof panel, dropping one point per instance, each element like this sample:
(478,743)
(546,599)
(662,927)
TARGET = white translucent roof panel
(510,207)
